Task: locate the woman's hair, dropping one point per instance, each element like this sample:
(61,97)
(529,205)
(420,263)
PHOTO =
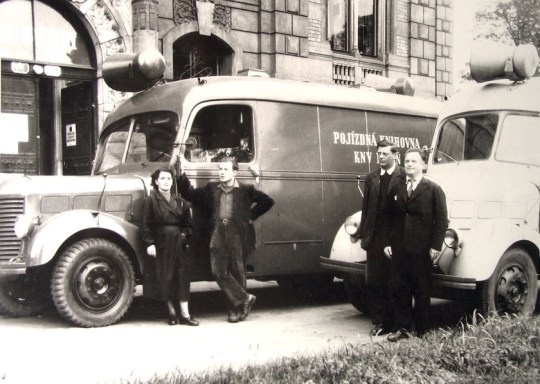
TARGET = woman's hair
(155,176)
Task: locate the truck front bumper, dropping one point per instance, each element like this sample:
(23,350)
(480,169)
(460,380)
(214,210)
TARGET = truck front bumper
(341,268)
(8,269)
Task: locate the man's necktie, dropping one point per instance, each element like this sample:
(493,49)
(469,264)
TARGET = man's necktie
(409,188)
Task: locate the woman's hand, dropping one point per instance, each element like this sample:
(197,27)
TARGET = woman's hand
(151,250)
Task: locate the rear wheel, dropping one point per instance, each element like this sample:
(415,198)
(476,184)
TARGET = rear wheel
(356,290)
(23,296)
(512,288)
(93,283)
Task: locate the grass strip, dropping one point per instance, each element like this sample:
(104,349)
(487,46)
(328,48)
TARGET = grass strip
(492,350)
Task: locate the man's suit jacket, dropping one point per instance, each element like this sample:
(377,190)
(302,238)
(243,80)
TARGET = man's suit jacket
(370,205)
(418,223)
(249,203)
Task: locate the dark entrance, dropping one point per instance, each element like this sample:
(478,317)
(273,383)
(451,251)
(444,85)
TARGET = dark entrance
(196,55)
(77,133)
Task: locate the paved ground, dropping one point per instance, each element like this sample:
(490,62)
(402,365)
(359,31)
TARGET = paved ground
(48,350)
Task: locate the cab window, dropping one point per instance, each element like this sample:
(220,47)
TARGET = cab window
(144,138)
(518,142)
(224,130)
(466,138)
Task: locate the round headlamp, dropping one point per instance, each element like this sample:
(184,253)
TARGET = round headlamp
(451,239)
(23,226)
(352,225)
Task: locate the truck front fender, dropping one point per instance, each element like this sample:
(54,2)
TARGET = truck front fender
(483,246)
(47,238)
(347,248)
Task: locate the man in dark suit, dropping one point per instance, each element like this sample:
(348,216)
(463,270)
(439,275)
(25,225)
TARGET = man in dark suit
(372,224)
(417,222)
(231,207)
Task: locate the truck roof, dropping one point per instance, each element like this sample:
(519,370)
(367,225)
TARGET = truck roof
(496,95)
(187,93)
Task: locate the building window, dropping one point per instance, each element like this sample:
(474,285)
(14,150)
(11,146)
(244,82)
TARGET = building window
(353,26)
(367,27)
(40,33)
(339,24)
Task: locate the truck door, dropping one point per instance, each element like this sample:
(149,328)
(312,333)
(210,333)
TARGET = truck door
(221,129)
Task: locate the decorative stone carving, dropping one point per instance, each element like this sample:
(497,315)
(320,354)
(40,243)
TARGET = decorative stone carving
(113,46)
(184,11)
(145,15)
(103,21)
(222,17)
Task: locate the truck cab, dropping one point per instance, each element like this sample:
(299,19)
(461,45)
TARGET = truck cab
(484,155)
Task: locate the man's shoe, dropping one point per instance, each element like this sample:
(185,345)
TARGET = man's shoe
(246,307)
(398,335)
(379,329)
(234,317)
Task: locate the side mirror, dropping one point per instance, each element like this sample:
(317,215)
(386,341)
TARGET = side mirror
(190,143)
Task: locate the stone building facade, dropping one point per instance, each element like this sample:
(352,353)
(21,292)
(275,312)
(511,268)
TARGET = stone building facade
(328,41)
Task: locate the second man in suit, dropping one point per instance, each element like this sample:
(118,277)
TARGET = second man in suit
(416,225)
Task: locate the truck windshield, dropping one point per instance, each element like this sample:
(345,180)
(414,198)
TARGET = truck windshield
(466,138)
(519,138)
(139,139)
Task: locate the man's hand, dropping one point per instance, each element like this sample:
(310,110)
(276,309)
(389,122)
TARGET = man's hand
(435,256)
(388,252)
(151,250)
(176,167)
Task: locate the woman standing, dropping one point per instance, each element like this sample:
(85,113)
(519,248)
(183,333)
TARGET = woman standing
(167,227)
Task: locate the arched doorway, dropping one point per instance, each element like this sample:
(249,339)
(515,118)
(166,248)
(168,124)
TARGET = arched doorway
(47,119)
(195,55)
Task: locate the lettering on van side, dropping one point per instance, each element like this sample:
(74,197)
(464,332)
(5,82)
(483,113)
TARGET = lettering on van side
(360,139)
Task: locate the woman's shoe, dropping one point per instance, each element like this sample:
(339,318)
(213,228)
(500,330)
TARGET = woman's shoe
(188,321)
(173,319)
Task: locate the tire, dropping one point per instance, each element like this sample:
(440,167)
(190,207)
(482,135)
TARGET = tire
(93,283)
(23,297)
(512,289)
(356,290)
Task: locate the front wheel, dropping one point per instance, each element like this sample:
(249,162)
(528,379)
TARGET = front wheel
(512,288)
(93,283)
(23,296)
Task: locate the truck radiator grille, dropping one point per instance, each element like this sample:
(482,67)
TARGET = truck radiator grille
(10,245)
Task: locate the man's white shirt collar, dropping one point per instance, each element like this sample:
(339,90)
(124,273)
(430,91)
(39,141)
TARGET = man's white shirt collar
(389,171)
(415,180)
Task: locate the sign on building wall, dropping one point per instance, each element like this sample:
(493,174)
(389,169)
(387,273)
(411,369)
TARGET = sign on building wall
(71,135)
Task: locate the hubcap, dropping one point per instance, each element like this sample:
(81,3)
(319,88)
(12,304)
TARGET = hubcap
(513,290)
(98,284)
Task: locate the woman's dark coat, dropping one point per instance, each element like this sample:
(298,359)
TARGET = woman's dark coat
(167,226)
